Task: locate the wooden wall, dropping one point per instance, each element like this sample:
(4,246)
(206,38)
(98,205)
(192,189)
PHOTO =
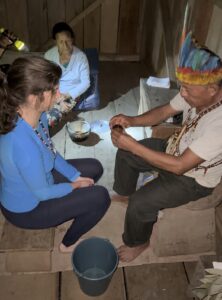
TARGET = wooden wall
(148,30)
(163,40)
(111,26)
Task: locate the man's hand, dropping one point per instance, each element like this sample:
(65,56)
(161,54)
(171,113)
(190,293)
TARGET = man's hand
(121,120)
(81,182)
(122,140)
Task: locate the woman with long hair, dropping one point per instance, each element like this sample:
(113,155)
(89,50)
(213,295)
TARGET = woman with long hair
(39,188)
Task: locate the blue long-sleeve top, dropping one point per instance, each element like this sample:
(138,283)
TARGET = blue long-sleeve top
(26,164)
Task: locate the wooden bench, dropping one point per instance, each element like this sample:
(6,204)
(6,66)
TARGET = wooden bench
(25,250)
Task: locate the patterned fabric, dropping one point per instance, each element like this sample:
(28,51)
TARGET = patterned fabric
(197,64)
(54,116)
(56,113)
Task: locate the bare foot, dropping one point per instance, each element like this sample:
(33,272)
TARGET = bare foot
(128,254)
(69,249)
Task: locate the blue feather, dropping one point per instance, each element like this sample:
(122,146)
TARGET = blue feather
(186,48)
(196,57)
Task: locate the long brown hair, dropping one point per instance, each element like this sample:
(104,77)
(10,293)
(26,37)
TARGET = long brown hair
(26,76)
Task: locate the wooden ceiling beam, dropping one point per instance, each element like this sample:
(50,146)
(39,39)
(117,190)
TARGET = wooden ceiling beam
(85,12)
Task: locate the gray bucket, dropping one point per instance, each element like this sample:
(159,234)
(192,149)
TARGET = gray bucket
(94,262)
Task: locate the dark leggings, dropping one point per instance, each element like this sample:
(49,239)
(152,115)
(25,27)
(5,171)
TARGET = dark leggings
(85,206)
(166,191)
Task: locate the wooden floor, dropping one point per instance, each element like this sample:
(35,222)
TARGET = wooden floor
(145,282)
(153,281)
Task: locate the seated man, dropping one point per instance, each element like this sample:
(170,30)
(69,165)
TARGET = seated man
(75,69)
(189,166)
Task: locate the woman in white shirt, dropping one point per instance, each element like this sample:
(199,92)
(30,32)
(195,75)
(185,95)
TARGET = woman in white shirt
(75,68)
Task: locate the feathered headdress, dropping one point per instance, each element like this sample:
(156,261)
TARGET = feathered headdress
(197,64)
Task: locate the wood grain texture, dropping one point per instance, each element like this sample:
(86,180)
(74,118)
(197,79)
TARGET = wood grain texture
(213,40)
(3,14)
(141,28)
(128,26)
(92,27)
(201,16)
(190,269)
(219,230)
(37,23)
(73,8)
(70,289)
(109,26)
(29,286)
(155,282)
(104,151)
(167,38)
(14,238)
(56,13)
(18,18)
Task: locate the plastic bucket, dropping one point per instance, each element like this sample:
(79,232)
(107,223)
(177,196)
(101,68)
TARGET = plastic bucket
(94,262)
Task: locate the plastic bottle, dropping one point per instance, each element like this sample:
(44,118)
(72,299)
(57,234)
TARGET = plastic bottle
(19,45)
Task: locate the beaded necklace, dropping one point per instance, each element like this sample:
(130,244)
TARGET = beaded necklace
(48,143)
(173,147)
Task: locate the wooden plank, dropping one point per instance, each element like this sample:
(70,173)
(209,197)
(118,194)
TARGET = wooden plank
(74,8)
(157,40)
(14,238)
(196,270)
(79,17)
(56,13)
(17,18)
(219,230)
(104,151)
(2,222)
(70,289)
(191,272)
(37,23)
(109,26)
(150,33)
(3,14)
(92,27)
(156,281)
(167,38)
(202,10)
(86,11)
(116,57)
(141,28)
(177,17)
(29,286)
(128,26)
(127,104)
(35,261)
(214,41)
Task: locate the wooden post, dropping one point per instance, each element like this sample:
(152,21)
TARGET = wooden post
(167,38)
